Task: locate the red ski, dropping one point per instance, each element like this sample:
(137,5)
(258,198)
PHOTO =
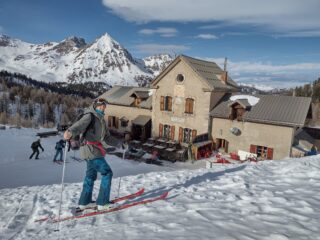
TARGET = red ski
(119,199)
(121,207)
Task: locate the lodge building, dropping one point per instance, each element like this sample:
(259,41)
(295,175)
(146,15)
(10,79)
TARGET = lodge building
(190,102)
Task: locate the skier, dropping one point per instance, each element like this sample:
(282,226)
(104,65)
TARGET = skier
(35,145)
(94,138)
(59,146)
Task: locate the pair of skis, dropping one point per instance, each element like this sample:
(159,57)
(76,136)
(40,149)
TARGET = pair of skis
(113,209)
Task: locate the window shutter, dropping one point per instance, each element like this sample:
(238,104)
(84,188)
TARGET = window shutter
(162,103)
(186,106)
(169,103)
(172,133)
(109,121)
(194,134)
(191,106)
(116,124)
(270,153)
(180,134)
(160,130)
(253,148)
(226,147)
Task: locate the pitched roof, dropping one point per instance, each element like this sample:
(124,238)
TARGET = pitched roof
(271,109)
(122,95)
(209,72)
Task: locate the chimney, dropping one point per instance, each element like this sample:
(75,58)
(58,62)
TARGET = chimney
(224,74)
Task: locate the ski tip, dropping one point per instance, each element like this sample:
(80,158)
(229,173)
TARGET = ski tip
(164,195)
(141,191)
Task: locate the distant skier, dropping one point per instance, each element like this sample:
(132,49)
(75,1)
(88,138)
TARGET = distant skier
(93,143)
(60,145)
(35,145)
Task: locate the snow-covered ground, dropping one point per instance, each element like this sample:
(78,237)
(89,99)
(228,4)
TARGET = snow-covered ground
(275,200)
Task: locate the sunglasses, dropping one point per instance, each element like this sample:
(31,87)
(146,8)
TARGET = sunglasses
(101,101)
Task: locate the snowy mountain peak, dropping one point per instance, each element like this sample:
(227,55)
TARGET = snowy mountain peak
(106,43)
(6,41)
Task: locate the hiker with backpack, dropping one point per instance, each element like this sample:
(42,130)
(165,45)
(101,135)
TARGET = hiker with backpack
(34,146)
(60,145)
(94,139)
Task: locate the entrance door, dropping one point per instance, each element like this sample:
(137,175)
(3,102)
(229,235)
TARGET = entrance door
(136,132)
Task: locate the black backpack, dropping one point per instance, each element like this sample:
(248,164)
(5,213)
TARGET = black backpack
(76,141)
(34,145)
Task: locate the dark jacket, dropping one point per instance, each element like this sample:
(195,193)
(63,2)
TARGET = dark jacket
(60,145)
(35,145)
(98,133)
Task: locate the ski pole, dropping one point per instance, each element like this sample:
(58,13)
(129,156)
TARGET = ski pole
(62,186)
(123,155)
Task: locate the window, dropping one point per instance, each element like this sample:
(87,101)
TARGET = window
(166,103)
(166,131)
(124,122)
(189,106)
(180,78)
(237,112)
(187,135)
(113,121)
(262,151)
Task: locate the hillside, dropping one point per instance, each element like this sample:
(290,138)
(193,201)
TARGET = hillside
(275,200)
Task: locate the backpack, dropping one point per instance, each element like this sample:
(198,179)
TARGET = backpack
(77,141)
(34,145)
(58,146)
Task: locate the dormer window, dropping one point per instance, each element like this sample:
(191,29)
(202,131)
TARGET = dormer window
(238,109)
(139,96)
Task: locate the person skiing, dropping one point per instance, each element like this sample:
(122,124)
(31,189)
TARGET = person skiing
(60,145)
(35,145)
(94,138)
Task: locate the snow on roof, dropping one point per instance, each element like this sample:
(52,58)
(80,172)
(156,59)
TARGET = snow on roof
(251,99)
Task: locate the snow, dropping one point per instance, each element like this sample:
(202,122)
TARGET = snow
(251,99)
(276,200)
(104,60)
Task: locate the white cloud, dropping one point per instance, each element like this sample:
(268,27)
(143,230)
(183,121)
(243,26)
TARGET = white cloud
(161,48)
(163,32)
(206,36)
(271,75)
(273,15)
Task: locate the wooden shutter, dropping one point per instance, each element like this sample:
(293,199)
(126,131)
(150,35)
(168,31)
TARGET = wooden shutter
(270,153)
(226,148)
(191,103)
(160,130)
(169,103)
(116,124)
(109,121)
(253,148)
(162,103)
(172,133)
(180,134)
(186,110)
(194,134)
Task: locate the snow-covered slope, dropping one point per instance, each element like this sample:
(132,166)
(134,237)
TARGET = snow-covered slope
(72,60)
(270,200)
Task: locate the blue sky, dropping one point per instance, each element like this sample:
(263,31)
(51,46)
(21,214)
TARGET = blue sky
(269,43)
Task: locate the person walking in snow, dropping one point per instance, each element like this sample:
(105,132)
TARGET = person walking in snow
(34,146)
(60,145)
(93,142)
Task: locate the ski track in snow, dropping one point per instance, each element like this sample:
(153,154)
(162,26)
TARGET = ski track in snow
(277,200)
